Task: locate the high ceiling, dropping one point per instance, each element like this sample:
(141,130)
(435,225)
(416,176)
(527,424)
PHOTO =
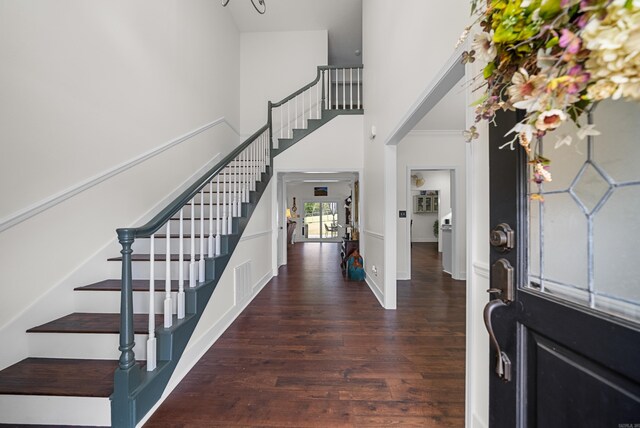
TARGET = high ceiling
(342,18)
(448,114)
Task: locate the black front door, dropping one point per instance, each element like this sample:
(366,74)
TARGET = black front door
(568,332)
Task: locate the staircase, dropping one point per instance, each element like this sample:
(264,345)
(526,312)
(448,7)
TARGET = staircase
(110,363)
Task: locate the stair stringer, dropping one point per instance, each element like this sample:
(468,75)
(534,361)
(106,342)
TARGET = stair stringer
(129,407)
(313,125)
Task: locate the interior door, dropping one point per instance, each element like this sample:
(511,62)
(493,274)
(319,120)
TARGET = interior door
(321,220)
(564,309)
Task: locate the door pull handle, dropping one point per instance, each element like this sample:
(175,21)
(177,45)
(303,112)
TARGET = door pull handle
(503,364)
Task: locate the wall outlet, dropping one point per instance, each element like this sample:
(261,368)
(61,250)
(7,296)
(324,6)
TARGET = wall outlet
(374,269)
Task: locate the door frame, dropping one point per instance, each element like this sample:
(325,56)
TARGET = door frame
(456,268)
(477,225)
(329,201)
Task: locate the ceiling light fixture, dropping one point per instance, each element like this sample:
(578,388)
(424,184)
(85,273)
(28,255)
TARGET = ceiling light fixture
(259,5)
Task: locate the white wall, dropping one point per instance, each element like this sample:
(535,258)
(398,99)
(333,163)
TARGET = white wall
(273,65)
(405,44)
(85,87)
(434,150)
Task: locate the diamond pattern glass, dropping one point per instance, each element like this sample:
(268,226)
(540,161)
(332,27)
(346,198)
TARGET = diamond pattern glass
(583,238)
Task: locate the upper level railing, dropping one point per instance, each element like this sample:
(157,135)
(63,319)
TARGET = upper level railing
(333,88)
(201,215)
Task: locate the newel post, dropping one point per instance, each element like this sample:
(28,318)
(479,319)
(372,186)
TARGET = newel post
(127,357)
(127,376)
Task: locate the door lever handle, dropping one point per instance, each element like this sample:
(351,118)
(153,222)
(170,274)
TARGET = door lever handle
(503,364)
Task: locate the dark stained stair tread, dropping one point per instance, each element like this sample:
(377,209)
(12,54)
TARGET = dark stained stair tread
(138,285)
(59,377)
(79,322)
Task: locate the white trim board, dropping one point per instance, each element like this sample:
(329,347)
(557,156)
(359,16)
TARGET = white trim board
(57,198)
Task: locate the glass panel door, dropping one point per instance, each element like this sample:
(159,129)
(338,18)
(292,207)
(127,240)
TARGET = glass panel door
(321,220)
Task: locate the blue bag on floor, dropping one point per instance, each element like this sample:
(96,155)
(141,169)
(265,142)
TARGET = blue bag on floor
(355,267)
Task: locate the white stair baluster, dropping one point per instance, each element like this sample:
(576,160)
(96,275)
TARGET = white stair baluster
(329,91)
(351,87)
(218,231)
(344,88)
(281,122)
(337,90)
(358,98)
(192,266)
(202,238)
(210,238)
(230,208)
(296,126)
(238,187)
(181,302)
(236,192)
(289,131)
(224,202)
(168,307)
(151,341)
(318,98)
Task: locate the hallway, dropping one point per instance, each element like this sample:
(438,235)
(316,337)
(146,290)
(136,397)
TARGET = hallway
(314,350)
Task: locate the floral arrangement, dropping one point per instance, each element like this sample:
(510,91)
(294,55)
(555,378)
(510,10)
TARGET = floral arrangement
(553,59)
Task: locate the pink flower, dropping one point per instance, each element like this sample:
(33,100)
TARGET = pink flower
(570,41)
(550,119)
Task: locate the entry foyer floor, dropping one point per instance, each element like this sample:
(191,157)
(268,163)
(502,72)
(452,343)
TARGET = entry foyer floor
(315,350)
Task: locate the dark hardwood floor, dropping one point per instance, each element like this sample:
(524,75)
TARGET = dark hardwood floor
(315,350)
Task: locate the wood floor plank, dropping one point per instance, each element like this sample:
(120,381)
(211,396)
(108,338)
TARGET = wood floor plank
(315,350)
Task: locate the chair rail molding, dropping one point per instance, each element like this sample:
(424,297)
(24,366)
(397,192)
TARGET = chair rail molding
(57,198)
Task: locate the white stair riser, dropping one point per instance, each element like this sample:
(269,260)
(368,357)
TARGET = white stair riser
(108,302)
(142,246)
(47,410)
(81,346)
(140,270)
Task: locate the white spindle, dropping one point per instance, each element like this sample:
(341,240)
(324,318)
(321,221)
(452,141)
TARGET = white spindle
(359,101)
(337,90)
(168,307)
(289,132)
(296,125)
(245,173)
(210,238)
(151,341)
(351,87)
(181,302)
(217,215)
(318,99)
(236,196)
(224,202)
(281,122)
(192,265)
(344,88)
(230,209)
(329,91)
(238,187)
(202,238)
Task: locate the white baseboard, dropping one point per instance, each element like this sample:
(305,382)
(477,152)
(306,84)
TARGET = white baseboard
(403,276)
(376,291)
(195,352)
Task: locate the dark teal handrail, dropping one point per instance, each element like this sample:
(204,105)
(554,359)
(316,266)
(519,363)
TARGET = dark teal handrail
(185,197)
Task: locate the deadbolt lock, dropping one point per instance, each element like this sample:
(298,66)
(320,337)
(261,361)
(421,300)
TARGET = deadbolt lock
(502,238)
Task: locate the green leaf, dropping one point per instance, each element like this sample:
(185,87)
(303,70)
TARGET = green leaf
(480,100)
(488,70)
(628,4)
(552,42)
(550,8)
